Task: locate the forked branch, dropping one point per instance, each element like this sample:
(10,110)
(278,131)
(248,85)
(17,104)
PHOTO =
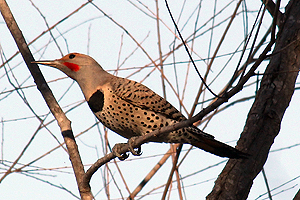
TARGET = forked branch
(63,122)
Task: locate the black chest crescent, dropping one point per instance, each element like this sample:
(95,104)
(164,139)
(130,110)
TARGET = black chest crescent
(96,101)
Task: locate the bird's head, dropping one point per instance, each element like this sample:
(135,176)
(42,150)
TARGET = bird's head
(74,65)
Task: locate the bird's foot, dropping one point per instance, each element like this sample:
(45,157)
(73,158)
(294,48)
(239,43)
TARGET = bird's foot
(117,148)
(137,152)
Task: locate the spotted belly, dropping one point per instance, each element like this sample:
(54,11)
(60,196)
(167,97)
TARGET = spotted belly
(129,120)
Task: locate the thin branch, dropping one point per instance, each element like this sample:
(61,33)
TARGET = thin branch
(175,161)
(159,50)
(150,174)
(63,122)
(274,11)
(212,59)
(122,177)
(266,182)
(140,46)
(50,32)
(44,32)
(187,51)
(145,138)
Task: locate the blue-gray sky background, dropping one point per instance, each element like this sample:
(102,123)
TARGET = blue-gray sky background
(88,31)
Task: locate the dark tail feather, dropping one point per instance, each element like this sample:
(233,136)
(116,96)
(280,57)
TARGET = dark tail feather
(218,148)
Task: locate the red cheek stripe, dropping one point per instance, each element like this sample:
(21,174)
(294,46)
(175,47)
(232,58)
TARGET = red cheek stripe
(72,66)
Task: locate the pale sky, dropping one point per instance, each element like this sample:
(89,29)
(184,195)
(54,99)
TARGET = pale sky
(89,32)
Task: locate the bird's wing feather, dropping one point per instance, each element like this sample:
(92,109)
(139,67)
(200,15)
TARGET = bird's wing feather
(141,96)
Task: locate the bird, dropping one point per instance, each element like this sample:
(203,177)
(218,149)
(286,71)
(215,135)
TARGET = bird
(131,109)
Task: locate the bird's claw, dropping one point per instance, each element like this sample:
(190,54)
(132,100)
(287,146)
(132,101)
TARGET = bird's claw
(117,148)
(137,152)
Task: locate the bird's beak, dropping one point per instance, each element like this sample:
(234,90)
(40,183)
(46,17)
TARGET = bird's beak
(52,63)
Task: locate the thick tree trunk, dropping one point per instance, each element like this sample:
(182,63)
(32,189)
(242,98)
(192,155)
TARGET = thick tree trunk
(264,118)
(297,196)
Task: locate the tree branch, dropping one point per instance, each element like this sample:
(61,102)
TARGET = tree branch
(274,10)
(145,138)
(63,122)
(265,116)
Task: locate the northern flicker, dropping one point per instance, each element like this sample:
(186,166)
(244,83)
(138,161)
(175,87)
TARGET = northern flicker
(132,109)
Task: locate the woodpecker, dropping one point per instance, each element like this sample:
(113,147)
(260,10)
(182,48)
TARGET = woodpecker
(131,109)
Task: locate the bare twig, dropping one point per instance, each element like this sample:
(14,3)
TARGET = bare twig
(187,51)
(145,138)
(172,172)
(44,32)
(159,50)
(150,174)
(274,11)
(203,83)
(63,122)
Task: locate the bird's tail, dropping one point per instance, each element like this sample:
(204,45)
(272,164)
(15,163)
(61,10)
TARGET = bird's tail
(218,148)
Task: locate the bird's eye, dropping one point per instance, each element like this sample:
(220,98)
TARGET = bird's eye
(71,56)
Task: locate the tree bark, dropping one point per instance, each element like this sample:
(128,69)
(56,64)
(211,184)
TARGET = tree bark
(264,119)
(297,196)
(63,122)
